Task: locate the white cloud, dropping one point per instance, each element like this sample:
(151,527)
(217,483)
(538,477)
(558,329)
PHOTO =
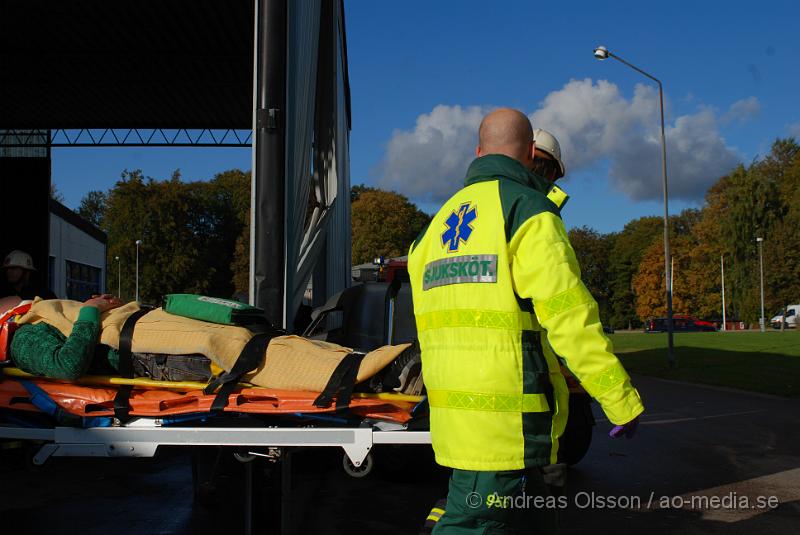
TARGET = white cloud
(428,163)
(794,130)
(741,111)
(594,123)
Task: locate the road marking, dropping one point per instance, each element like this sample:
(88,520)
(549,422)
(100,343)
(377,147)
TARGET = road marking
(645,421)
(677,420)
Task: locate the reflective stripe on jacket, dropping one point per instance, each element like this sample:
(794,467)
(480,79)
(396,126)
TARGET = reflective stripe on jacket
(497,294)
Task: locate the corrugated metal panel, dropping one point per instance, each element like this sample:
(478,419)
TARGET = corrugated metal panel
(320,240)
(303,33)
(339,244)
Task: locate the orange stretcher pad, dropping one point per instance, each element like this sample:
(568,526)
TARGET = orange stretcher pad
(91,401)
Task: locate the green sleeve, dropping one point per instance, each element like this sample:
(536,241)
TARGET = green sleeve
(41,349)
(545,270)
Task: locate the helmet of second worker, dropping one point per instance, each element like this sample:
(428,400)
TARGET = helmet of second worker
(548,144)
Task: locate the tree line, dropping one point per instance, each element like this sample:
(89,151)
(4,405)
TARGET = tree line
(191,233)
(195,238)
(625,270)
(196,235)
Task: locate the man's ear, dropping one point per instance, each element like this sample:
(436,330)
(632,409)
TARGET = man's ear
(529,156)
(478,151)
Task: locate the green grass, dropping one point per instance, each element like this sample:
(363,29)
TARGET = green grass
(761,362)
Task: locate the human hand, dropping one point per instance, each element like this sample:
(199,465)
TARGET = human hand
(628,429)
(104,302)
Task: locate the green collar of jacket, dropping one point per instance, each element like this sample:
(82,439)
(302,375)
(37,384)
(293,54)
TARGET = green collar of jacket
(494,166)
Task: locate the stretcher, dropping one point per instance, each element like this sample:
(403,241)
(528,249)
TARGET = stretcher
(79,419)
(257,423)
(181,414)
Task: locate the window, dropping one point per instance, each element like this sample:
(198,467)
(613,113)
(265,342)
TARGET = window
(82,281)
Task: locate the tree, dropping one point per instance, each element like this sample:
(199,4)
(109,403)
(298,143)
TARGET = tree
(629,246)
(357,190)
(593,251)
(92,206)
(756,201)
(189,232)
(759,200)
(55,194)
(384,223)
(695,280)
(782,247)
(226,199)
(240,266)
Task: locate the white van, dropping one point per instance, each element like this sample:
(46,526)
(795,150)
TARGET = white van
(792,312)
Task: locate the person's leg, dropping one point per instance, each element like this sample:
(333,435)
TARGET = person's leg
(496,503)
(434,516)
(544,496)
(172,367)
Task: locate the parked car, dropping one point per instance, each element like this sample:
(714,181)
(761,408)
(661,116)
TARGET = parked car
(681,323)
(792,311)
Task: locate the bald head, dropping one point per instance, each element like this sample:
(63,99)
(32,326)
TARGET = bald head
(506,131)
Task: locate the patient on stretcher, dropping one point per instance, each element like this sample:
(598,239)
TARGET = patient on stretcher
(41,349)
(64,339)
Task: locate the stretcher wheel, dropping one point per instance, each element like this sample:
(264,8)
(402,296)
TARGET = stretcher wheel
(358,471)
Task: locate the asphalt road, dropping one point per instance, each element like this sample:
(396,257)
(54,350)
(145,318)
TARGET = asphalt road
(704,461)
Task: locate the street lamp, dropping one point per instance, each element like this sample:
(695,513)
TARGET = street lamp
(138,243)
(119,277)
(602,53)
(722,267)
(761,265)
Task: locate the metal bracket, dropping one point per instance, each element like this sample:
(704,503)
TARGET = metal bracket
(44,453)
(267,118)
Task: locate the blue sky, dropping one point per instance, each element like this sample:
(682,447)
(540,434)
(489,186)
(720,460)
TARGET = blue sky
(422,74)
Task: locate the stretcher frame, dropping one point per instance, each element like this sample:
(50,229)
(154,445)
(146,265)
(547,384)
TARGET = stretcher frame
(141,437)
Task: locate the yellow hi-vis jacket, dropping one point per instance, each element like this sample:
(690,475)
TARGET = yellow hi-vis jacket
(497,294)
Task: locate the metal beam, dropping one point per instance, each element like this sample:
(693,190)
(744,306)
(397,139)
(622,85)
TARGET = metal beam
(268,227)
(126,137)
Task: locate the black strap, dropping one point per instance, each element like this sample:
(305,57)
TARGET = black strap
(341,383)
(249,359)
(122,406)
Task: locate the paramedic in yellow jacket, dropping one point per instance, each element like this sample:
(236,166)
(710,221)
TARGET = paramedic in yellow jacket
(497,294)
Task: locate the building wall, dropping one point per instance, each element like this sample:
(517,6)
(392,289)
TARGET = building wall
(69,244)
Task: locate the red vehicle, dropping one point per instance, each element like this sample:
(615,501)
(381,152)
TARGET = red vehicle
(681,323)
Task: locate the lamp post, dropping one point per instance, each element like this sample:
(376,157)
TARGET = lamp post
(761,266)
(722,267)
(138,242)
(602,53)
(119,277)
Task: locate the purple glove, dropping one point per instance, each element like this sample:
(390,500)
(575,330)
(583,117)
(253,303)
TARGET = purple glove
(628,429)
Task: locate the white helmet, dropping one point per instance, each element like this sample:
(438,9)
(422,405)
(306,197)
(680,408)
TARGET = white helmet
(19,259)
(546,142)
